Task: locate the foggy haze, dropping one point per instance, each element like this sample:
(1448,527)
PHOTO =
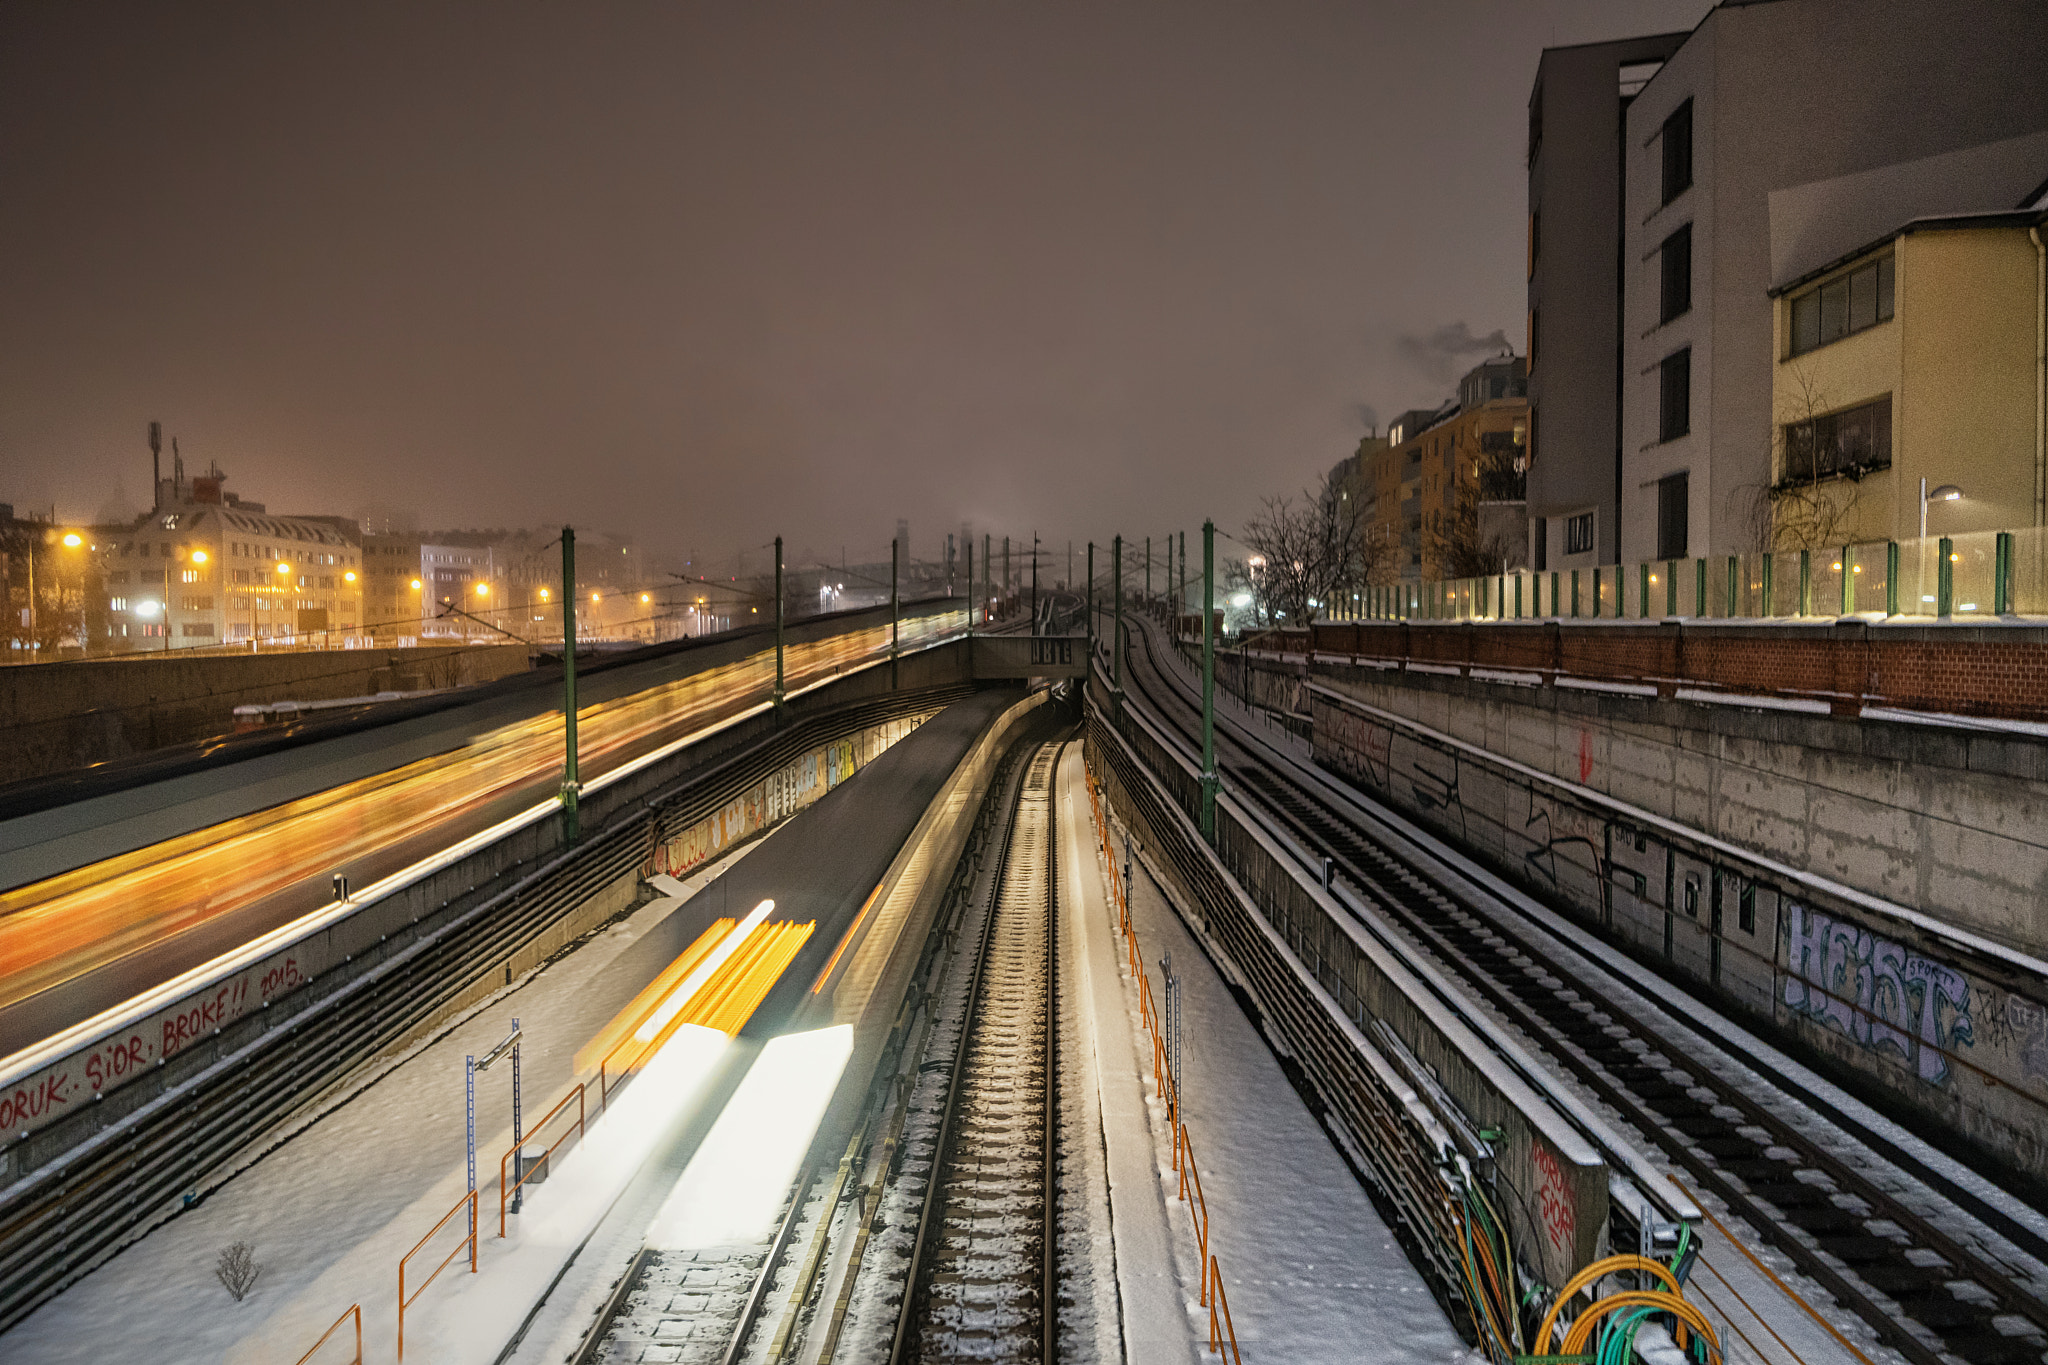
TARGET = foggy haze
(701,275)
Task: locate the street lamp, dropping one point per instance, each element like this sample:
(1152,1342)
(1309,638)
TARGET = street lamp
(1948,492)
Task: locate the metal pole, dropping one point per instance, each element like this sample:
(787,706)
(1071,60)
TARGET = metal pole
(988,572)
(1006,570)
(569,781)
(970,590)
(1209,680)
(1180,590)
(469,1115)
(1091,599)
(1173,627)
(895,555)
(1148,573)
(1116,630)
(778,621)
(1034,582)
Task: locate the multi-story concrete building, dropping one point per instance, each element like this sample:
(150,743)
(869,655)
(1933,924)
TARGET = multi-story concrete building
(1576,110)
(205,567)
(1911,308)
(1433,490)
(1763,96)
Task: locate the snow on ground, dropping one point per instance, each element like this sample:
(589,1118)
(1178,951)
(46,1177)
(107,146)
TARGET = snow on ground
(332,1209)
(1312,1272)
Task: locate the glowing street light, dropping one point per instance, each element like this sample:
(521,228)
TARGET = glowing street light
(415,585)
(283,567)
(199,556)
(349,577)
(645,597)
(72,540)
(483,590)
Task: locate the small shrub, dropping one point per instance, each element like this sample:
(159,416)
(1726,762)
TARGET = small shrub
(237,1269)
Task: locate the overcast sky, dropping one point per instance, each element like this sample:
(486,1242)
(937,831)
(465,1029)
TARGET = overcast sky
(700,274)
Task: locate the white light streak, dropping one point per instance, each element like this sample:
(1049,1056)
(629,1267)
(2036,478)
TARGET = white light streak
(694,982)
(738,1179)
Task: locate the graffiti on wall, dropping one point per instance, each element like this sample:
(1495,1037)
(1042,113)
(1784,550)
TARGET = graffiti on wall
(1880,993)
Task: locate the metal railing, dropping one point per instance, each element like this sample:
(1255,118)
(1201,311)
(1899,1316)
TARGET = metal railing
(576,1130)
(1167,1083)
(468,1201)
(1979,575)
(355,1310)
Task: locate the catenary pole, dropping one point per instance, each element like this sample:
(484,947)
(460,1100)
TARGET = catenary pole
(569,781)
(1209,680)
(1116,630)
(895,603)
(778,621)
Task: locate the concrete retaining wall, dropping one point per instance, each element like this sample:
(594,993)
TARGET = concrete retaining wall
(59,716)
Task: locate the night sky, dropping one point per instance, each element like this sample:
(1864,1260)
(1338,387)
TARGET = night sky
(699,274)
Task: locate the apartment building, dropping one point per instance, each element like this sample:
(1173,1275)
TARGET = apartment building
(1763,96)
(1910,314)
(205,567)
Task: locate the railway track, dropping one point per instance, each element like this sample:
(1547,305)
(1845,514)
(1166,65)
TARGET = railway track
(1922,1291)
(63,1221)
(983,1283)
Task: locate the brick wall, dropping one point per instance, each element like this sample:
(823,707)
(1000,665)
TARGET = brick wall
(1999,671)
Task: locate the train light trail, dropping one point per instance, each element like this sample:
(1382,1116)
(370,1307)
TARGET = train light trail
(694,982)
(620,1140)
(738,1179)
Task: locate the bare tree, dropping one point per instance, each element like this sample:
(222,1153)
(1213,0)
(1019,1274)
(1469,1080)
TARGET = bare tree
(237,1269)
(1457,543)
(1313,549)
(1811,500)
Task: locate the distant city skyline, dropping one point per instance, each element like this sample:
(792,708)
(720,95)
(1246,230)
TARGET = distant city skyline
(702,277)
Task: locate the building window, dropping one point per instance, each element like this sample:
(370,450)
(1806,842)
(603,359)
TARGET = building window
(117,604)
(1851,441)
(1676,141)
(189,576)
(1578,534)
(1673,492)
(1676,295)
(199,628)
(1860,299)
(1674,395)
(195,604)
(118,576)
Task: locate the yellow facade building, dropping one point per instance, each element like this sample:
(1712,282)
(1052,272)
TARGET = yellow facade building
(1917,358)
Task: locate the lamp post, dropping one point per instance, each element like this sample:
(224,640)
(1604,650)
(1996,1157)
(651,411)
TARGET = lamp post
(1948,492)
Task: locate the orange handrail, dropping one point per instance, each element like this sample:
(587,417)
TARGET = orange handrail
(505,1192)
(467,1201)
(1211,1295)
(355,1310)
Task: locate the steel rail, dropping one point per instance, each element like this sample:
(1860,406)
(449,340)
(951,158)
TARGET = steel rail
(1388,869)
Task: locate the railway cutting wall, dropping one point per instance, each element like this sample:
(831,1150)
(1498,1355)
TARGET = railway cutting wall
(1866,891)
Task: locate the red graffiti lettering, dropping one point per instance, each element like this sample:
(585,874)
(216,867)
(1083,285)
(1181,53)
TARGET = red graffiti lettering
(116,1061)
(279,979)
(1553,1196)
(34,1101)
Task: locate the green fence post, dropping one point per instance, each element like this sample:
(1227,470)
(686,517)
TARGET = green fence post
(1891,578)
(1644,601)
(1671,587)
(1945,593)
(1596,592)
(1806,582)
(2001,587)
(1518,597)
(1848,580)
(1734,568)
(1699,587)
(1765,606)
(1575,592)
